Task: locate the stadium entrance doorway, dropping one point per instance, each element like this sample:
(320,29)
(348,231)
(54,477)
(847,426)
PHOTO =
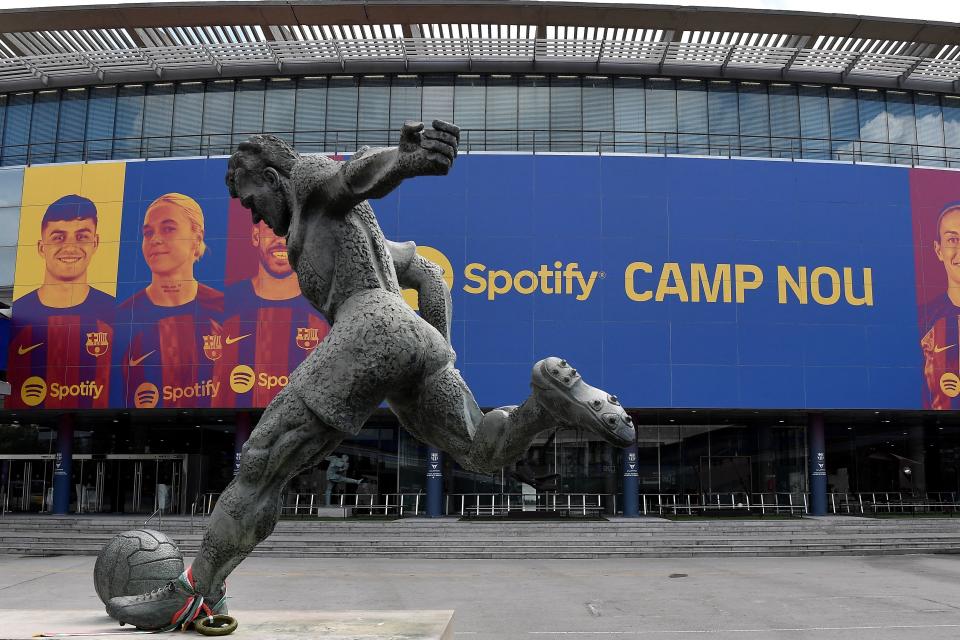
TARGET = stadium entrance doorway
(117,483)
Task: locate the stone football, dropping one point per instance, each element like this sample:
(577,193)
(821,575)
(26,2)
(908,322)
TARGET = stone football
(135,562)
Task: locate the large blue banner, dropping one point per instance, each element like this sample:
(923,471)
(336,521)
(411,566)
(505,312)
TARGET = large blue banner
(677,282)
(672,282)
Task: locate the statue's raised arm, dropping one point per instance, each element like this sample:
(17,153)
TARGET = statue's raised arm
(373,173)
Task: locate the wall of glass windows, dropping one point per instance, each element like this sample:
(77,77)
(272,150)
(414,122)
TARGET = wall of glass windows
(560,113)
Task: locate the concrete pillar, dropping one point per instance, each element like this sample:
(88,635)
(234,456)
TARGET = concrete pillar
(63,466)
(917,480)
(240,436)
(631,482)
(816,445)
(434,482)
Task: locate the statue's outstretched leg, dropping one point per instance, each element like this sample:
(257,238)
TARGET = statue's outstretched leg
(446,415)
(287,439)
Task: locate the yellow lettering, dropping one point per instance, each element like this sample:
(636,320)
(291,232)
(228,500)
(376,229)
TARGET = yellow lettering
(481,283)
(493,288)
(815,291)
(743,284)
(526,290)
(630,286)
(867,298)
(671,273)
(798,285)
(711,288)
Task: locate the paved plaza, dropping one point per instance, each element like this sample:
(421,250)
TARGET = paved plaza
(879,597)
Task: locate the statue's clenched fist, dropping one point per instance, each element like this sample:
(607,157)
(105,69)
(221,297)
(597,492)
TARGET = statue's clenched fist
(429,151)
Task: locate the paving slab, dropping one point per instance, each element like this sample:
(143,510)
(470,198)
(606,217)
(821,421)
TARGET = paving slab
(275,625)
(840,598)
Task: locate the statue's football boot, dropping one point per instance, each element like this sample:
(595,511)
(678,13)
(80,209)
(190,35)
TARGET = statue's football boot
(173,606)
(561,391)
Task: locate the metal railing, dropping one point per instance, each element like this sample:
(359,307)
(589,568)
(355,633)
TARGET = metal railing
(892,502)
(701,503)
(601,142)
(313,504)
(494,504)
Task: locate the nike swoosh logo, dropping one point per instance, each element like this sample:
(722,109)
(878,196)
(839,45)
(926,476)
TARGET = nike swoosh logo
(230,340)
(939,349)
(135,361)
(21,350)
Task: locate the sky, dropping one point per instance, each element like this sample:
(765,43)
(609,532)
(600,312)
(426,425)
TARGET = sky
(939,10)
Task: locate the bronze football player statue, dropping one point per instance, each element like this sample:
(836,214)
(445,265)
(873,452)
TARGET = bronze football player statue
(378,350)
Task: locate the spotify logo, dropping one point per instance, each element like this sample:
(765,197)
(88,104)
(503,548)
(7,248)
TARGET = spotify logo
(33,391)
(146,396)
(242,378)
(950,384)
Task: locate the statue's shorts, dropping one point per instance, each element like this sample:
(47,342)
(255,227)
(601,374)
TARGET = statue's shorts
(378,347)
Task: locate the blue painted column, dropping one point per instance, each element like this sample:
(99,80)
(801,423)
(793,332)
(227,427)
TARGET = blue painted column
(816,444)
(631,482)
(63,466)
(434,483)
(240,437)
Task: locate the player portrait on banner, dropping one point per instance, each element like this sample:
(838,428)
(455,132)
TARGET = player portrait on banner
(269,327)
(63,335)
(174,321)
(941,317)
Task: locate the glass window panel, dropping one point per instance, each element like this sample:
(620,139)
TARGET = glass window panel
(158,120)
(724,123)
(8,261)
(73,121)
(951,129)
(692,117)
(873,126)
(661,116)
(784,121)
(844,125)
(16,134)
(929,129)
(187,119)
(438,98)
(405,97)
(754,120)
(534,113)
(342,114)
(566,114)
(43,126)
(903,127)
(311,115)
(374,112)
(3,115)
(628,114)
(279,107)
(101,109)
(469,106)
(814,122)
(598,114)
(217,118)
(502,113)
(9,225)
(129,122)
(247,110)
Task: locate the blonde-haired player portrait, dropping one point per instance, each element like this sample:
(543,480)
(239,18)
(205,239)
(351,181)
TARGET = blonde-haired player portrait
(176,335)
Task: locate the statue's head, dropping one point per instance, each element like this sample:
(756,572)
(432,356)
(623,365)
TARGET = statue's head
(259,175)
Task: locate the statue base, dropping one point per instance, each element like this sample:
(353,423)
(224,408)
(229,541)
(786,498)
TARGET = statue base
(276,625)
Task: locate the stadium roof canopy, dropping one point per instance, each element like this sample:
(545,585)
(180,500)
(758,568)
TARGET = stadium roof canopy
(70,46)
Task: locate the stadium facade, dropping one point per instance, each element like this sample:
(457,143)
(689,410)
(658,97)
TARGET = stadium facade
(744,223)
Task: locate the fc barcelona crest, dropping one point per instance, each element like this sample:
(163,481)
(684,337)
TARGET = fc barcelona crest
(98,343)
(213,346)
(308,337)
